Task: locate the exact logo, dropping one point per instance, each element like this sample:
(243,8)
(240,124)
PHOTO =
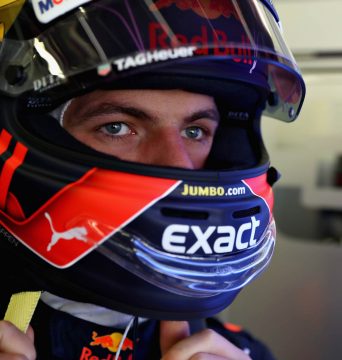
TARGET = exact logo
(175,238)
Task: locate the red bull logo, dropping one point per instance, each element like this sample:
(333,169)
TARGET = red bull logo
(210,9)
(110,342)
(209,40)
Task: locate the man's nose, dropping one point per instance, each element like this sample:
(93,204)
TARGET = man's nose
(168,148)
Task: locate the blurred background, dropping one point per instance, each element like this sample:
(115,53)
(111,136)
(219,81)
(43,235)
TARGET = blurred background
(296,306)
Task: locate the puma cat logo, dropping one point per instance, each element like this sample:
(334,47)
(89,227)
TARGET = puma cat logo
(78,233)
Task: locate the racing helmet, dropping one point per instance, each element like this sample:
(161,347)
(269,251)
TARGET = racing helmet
(154,241)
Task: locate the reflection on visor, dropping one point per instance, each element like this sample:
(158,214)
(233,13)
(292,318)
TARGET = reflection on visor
(190,276)
(115,40)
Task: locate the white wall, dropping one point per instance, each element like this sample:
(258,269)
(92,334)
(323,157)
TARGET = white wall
(296,306)
(311,24)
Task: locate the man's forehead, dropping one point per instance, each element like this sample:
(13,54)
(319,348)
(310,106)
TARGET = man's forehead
(145,104)
(138,93)
(145,99)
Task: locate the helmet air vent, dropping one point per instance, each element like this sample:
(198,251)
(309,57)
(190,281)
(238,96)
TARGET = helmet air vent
(187,214)
(246,213)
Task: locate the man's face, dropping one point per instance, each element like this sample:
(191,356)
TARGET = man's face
(158,127)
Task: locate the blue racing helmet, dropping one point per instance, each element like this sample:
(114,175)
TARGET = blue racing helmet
(152,241)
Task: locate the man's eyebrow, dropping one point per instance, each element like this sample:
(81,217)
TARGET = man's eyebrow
(103,109)
(210,113)
(111,108)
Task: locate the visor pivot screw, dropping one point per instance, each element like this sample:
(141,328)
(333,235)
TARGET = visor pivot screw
(15,75)
(292,112)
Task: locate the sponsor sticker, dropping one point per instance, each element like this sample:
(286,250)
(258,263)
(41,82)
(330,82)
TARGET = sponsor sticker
(48,10)
(193,190)
(148,57)
(212,240)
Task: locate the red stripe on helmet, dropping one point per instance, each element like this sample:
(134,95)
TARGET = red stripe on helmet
(260,187)
(84,214)
(9,168)
(5,139)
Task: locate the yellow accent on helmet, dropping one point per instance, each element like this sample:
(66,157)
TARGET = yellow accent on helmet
(2,31)
(9,10)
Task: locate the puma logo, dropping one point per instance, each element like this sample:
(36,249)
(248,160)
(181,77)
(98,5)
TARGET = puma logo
(78,233)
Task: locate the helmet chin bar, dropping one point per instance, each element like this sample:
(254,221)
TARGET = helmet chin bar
(192,276)
(132,265)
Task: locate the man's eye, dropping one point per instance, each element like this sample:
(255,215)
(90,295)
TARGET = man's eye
(116,128)
(193,132)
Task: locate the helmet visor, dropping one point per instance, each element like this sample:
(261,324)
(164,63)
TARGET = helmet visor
(109,40)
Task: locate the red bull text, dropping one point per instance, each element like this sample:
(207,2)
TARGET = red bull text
(88,354)
(208,41)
